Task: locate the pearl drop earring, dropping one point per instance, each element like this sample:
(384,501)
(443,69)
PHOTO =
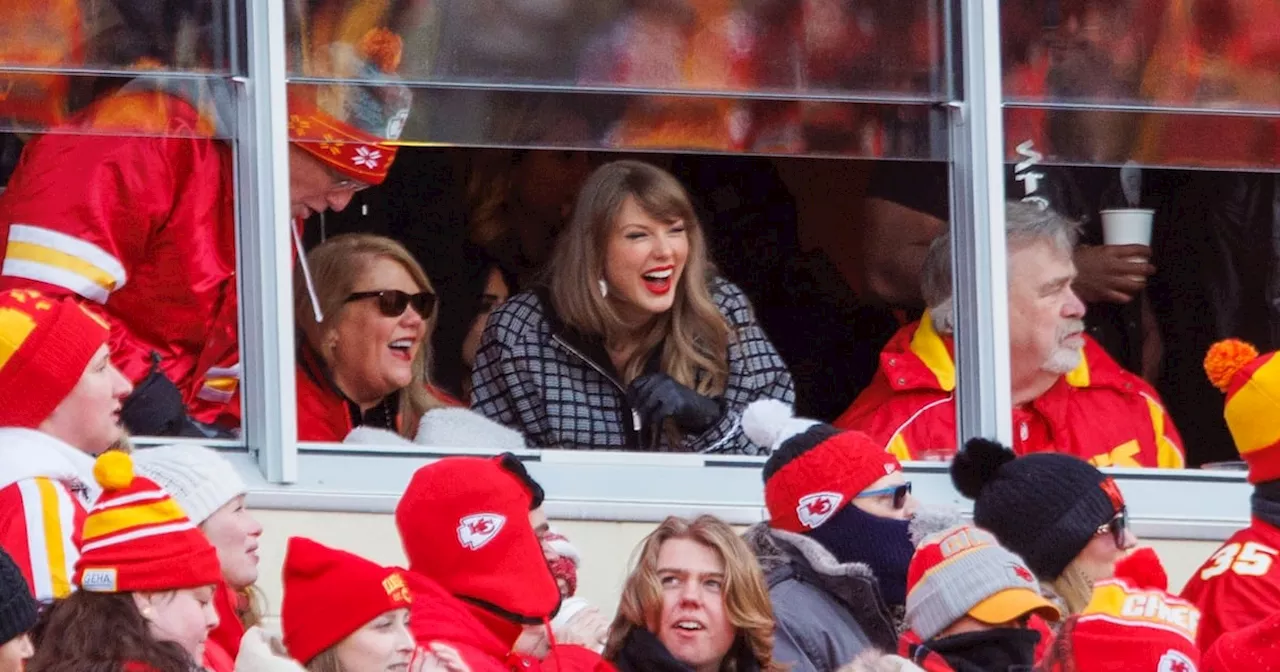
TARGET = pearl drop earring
(604,288)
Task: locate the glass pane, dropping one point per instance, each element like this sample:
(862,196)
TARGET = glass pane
(823,267)
(888,50)
(1144,53)
(179,35)
(1170,261)
(143,231)
(122,105)
(1083,135)
(586,120)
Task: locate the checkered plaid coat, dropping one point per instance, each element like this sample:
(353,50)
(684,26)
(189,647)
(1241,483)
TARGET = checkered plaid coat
(559,389)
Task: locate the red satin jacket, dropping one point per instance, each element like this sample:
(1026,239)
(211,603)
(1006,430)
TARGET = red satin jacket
(142,226)
(1098,412)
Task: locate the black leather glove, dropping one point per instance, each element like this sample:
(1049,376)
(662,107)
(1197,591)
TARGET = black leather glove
(155,409)
(657,396)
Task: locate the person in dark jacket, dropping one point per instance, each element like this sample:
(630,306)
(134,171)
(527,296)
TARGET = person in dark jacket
(17,616)
(632,342)
(969,603)
(695,601)
(837,544)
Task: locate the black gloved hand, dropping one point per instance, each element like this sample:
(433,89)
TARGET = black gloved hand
(657,396)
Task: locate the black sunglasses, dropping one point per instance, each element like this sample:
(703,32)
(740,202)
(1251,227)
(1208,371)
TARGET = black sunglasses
(1118,528)
(899,493)
(392,302)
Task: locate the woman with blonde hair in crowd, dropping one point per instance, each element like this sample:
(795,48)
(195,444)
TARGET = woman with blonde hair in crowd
(145,583)
(695,601)
(632,341)
(363,351)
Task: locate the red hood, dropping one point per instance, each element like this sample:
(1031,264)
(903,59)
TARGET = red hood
(439,617)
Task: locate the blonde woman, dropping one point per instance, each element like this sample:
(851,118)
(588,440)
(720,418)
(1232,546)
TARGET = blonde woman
(363,360)
(631,342)
(696,601)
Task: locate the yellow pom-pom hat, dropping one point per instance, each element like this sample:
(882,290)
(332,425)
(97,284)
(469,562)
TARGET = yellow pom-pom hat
(137,538)
(1252,384)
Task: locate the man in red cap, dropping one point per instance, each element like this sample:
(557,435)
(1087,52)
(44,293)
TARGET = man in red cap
(464,523)
(132,208)
(60,400)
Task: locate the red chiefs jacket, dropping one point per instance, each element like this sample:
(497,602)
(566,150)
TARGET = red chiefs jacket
(1098,412)
(45,488)
(143,226)
(1239,585)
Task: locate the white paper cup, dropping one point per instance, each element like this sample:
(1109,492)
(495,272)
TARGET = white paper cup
(1127,226)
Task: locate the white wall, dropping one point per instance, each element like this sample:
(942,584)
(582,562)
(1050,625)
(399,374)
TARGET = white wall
(605,547)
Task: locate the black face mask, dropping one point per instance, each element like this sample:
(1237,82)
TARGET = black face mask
(1000,650)
(883,544)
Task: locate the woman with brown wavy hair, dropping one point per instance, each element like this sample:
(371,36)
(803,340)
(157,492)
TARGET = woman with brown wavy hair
(696,601)
(631,341)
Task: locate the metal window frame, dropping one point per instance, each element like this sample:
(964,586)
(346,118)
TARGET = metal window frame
(589,485)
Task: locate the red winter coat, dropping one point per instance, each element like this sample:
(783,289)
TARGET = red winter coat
(1098,412)
(439,617)
(44,492)
(143,226)
(1239,585)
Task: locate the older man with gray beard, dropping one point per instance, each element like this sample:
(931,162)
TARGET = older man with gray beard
(1069,396)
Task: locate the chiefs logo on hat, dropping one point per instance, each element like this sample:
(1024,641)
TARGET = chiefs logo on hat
(1175,661)
(478,529)
(816,508)
(1023,573)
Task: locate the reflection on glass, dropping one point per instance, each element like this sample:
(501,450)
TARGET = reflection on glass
(112,38)
(1211,54)
(621,121)
(886,48)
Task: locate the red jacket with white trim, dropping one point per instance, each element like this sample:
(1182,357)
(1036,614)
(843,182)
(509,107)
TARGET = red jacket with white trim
(1098,412)
(45,488)
(1239,585)
(143,226)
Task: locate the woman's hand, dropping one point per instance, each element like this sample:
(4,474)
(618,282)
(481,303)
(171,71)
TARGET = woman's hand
(1112,273)
(588,628)
(657,396)
(439,657)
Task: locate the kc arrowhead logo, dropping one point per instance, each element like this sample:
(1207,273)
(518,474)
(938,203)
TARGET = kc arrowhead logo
(478,529)
(816,508)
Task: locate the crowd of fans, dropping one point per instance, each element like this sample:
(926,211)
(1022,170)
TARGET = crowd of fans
(146,559)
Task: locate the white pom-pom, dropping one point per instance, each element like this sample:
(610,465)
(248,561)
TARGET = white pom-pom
(764,422)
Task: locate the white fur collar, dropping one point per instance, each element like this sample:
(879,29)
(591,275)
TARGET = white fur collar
(447,428)
(27,453)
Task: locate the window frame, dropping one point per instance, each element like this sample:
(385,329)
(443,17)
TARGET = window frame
(594,485)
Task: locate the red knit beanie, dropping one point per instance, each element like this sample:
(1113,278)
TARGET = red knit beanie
(464,522)
(136,537)
(45,346)
(815,469)
(329,594)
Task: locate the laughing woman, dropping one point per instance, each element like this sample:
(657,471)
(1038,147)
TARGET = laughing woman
(631,342)
(365,362)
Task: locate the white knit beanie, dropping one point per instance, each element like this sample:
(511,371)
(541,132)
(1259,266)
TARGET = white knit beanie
(200,479)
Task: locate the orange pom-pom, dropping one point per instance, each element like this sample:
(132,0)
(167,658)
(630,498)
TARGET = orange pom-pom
(382,48)
(1225,359)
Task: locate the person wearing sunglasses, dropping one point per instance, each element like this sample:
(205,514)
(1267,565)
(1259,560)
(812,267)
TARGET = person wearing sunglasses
(1064,517)
(363,339)
(837,544)
(133,212)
